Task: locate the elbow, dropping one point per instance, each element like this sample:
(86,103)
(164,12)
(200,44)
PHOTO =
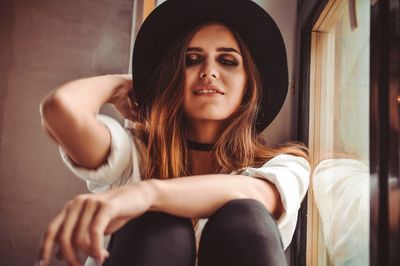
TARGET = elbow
(51,118)
(48,108)
(73,129)
(56,111)
(266,193)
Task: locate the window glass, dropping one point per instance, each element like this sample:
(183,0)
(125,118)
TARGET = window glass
(339,134)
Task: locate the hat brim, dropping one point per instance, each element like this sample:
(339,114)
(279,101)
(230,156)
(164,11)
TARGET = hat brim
(174,18)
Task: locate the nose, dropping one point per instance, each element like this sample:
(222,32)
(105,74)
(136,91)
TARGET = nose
(204,75)
(209,72)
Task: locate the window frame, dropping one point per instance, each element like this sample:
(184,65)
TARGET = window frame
(308,13)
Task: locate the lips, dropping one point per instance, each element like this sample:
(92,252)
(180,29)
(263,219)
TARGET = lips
(207,90)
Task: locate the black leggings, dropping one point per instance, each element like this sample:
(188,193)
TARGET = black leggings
(242,232)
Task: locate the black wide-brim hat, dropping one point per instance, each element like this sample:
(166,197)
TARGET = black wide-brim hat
(173,19)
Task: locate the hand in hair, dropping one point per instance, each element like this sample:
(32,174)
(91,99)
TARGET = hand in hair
(120,98)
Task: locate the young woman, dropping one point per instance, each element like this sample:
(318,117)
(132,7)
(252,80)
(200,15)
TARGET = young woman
(187,178)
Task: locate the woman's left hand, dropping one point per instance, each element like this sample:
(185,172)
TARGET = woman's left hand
(83,222)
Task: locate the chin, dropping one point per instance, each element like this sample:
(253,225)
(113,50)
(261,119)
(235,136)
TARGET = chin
(210,117)
(216,115)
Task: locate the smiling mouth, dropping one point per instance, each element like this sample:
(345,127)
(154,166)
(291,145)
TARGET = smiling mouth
(203,91)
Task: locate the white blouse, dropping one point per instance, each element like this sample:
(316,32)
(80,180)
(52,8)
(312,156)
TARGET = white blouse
(290,174)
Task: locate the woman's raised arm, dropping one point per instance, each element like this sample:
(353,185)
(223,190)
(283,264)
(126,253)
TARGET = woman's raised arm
(68,115)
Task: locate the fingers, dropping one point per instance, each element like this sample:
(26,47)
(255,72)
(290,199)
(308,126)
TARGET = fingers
(80,226)
(60,230)
(65,235)
(82,236)
(98,226)
(47,245)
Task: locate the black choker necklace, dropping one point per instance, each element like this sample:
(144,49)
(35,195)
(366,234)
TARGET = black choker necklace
(199,146)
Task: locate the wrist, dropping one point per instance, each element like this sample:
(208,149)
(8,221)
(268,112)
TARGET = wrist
(134,199)
(122,84)
(152,190)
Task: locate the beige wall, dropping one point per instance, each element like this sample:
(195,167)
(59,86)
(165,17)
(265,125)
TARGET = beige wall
(284,12)
(44,43)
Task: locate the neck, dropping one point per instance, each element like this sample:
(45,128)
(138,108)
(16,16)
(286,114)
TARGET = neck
(193,145)
(205,132)
(201,162)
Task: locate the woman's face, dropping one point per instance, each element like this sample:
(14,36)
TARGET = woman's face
(214,75)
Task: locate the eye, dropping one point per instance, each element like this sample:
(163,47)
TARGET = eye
(192,59)
(228,60)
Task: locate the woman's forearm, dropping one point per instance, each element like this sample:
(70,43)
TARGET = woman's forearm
(200,196)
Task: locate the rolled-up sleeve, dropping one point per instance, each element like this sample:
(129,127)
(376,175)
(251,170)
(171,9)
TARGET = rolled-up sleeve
(118,161)
(291,175)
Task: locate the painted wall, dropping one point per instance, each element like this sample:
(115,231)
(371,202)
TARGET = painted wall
(284,13)
(44,43)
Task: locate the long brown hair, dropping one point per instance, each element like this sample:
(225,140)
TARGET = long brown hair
(162,127)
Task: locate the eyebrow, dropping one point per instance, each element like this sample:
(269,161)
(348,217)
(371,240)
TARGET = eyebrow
(219,49)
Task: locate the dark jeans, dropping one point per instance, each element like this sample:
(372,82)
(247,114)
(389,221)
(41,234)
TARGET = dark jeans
(242,232)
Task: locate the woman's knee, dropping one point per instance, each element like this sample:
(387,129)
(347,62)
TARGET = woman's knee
(157,226)
(147,240)
(241,231)
(244,216)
